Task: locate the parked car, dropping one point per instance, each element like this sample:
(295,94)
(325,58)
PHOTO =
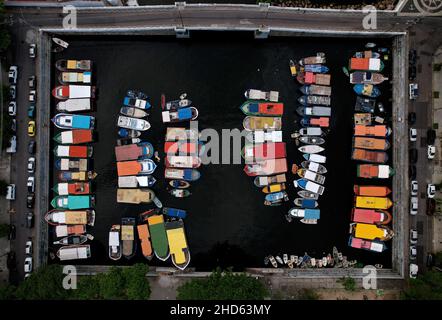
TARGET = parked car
(413,252)
(14,125)
(32,96)
(12,92)
(28,247)
(411,118)
(31,184)
(11,232)
(30,200)
(413,236)
(28,264)
(12,108)
(12,148)
(431,152)
(31,164)
(412,172)
(31,82)
(32,50)
(10,192)
(413,270)
(11,260)
(31,111)
(413,206)
(31,147)
(31,128)
(13,74)
(413,134)
(414,188)
(430,260)
(413,91)
(413,155)
(431,136)
(29,220)
(431,190)
(431,207)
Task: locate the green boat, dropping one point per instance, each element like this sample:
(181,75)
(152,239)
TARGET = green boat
(73,202)
(158,237)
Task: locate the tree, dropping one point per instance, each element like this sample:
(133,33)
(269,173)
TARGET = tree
(308,294)
(7,292)
(137,285)
(427,286)
(223,286)
(4,230)
(348,282)
(88,288)
(112,284)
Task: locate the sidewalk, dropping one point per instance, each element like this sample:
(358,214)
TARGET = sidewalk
(4,219)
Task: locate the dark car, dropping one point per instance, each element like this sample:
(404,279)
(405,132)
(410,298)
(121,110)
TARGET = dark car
(30,200)
(431,206)
(29,220)
(412,73)
(11,232)
(31,111)
(431,136)
(413,155)
(412,172)
(12,92)
(11,261)
(31,147)
(411,118)
(430,260)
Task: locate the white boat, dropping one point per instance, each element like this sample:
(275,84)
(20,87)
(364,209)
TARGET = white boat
(115,252)
(312,176)
(309,186)
(278,258)
(315,157)
(264,136)
(273,261)
(311,148)
(314,166)
(74,252)
(308,195)
(313,262)
(133,123)
(311,131)
(285,258)
(60,42)
(314,111)
(312,140)
(254,94)
(74,105)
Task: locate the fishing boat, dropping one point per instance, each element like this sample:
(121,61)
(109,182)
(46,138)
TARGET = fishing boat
(75,77)
(182,162)
(266,167)
(179,250)
(73,121)
(158,237)
(373,171)
(74,105)
(60,42)
(362,119)
(115,242)
(367,53)
(183,114)
(64,230)
(360,77)
(373,202)
(251,123)
(175,104)
(278,258)
(74,240)
(305,203)
(144,236)
(314,111)
(73,65)
(372,131)
(371,231)
(368,90)
(76,252)
(308,216)
(313,78)
(57,217)
(365,104)
(141,150)
(66,176)
(130,168)
(318,59)
(366,64)
(313,131)
(310,175)
(128,133)
(370,245)
(264,136)
(72,164)
(274,188)
(73,202)
(129,244)
(310,100)
(74,137)
(369,156)
(273,261)
(314,89)
(174,213)
(314,157)
(371,191)
(72,188)
(73,92)
(316,68)
(276,198)
(263,181)
(323,122)
(133,123)
(182,174)
(135,196)
(309,186)
(73,151)
(127,141)
(311,148)
(136,102)
(313,166)
(179,184)
(370,216)
(253,94)
(181,134)
(264,151)
(133,112)
(370,143)
(180,193)
(136,181)
(256,108)
(285,258)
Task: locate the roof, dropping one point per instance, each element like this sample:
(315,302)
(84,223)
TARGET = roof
(368,231)
(177,244)
(312,214)
(66,253)
(81,122)
(114,238)
(79,91)
(185,113)
(128,168)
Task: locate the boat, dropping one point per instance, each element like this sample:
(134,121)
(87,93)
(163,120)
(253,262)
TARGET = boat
(73,151)
(133,112)
(306,214)
(314,89)
(251,123)
(64,230)
(115,242)
(174,213)
(318,158)
(285,258)
(158,237)
(141,150)
(74,105)
(130,168)
(175,104)
(128,133)
(136,181)
(316,68)
(264,151)
(374,171)
(370,245)
(311,148)
(372,131)
(369,156)
(370,143)
(76,252)
(264,136)
(372,191)
(318,59)
(273,261)
(183,114)
(362,118)
(72,188)
(66,176)
(73,65)
(313,166)
(74,137)
(127,141)
(360,77)
(74,240)
(313,78)
(72,164)
(133,123)
(314,111)
(313,131)
(305,203)
(73,121)
(61,43)
(373,202)
(73,202)
(182,174)
(75,77)
(180,193)
(266,167)
(268,109)
(323,122)
(253,94)
(129,244)
(309,186)
(293,68)
(368,90)
(274,188)
(135,102)
(57,217)
(276,198)
(371,231)
(263,181)
(179,250)
(310,100)
(179,184)
(182,162)
(144,236)
(135,196)
(310,175)
(365,64)
(178,134)
(73,92)
(278,258)
(182,147)
(370,216)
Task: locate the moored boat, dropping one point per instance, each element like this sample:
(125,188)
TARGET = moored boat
(373,202)
(126,141)
(371,216)
(374,171)
(368,90)
(369,156)
(374,191)
(136,102)
(318,111)
(179,184)
(128,133)
(313,78)
(73,121)
(263,181)
(266,167)
(57,217)
(314,100)
(129,244)
(159,237)
(182,162)
(360,77)
(318,158)
(308,214)
(174,212)
(370,143)
(74,239)
(115,242)
(183,147)
(76,176)
(136,181)
(253,94)
(309,186)
(365,64)
(323,122)
(175,104)
(264,136)
(75,77)
(310,175)
(73,202)
(74,105)
(133,123)
(268,109)
(277,187)
(64,230)
(318,59)
(372,131)
(314,89)
(75,252)
(133,112)
(371,231)
(180,193)
(135,196)
(264,151)
(311,149)
(293,68)
(183,114)
(313,131)
(130,168)
(65,188)
(363,119)
(141,150)
(63,44)
(73,65)
(73,151)
(73,92)
(313,166)
(276,198)
(251,123)
(178,134)
(73,164)
(182,174)
(374,245)
(74,136)
(316,68)
(144,236)
(179,249)
(364,104)
(305,203)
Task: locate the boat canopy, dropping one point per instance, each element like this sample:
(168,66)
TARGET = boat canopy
(66,253)
(369,245)
(127,233)
(262,136)
(185,113)
(177,244)
(383,171)
(369,231)
(70,217)
(114,238)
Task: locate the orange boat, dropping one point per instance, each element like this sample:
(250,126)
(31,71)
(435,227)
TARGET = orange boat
(374,131)
(370,216)
(133,168)
(314,78)
(381,171)
(369,156)
(322,122)
(146,245)
(370,143)
(374,191)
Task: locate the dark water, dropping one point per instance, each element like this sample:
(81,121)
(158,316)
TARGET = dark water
(227,223)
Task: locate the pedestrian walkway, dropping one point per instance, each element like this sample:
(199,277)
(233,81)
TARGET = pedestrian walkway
(4,219)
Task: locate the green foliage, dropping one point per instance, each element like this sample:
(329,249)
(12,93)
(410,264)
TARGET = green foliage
(223,286)
(88,288)
(308,294)
(4,230)
(3,187)
(112,284)
(438,259)
(6,132)
(427,286)
(7,292)
(349,283)
(137,286)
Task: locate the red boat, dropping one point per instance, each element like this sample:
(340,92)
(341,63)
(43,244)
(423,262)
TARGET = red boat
(266,167)
(182,147)
(264,151)
(313,78)
(371,216)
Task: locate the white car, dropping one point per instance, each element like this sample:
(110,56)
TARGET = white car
(431,190)
(28,247)
(32,49)
(10,192)
(31,164)
(13,74)
(31,184)
(32,96)
(413,270)
(431,152)
(413,252)
(13,145)
(413,134)
(414,188)
(413,236)
(413,91)
(413,206)
(28,264)
(12,108)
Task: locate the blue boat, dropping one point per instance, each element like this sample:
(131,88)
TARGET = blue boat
(128,133)
(146,150)
(173,212)
(316,68)
(73,121)
(183,114)
(276,198)
(308,214)
(136,103)
(182,174)
(306,203)
(147,166)
(368,90)
(365,104)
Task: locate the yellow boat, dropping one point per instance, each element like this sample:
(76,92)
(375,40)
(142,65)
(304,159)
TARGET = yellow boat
(274,188)
(251,123)
(373,202)
(179,251)
(371,231)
